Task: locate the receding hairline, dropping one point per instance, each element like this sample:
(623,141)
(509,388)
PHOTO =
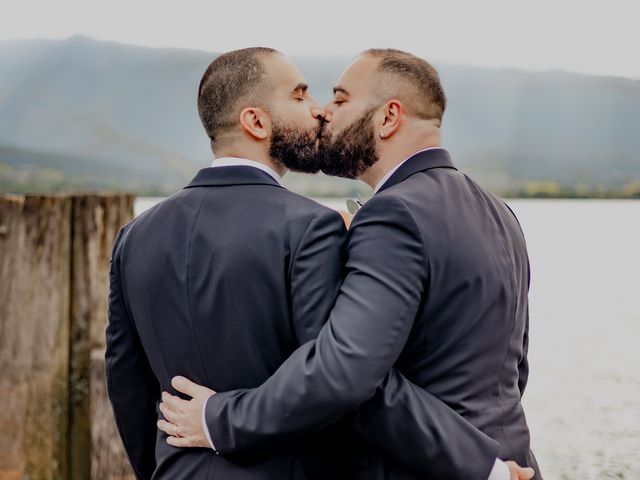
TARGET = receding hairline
(403,85)
(298,86)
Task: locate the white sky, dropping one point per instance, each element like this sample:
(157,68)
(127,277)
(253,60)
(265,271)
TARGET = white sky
(589,36)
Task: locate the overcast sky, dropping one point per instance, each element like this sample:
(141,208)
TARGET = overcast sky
(586,36)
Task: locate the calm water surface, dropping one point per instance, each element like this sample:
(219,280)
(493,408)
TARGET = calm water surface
(583,397)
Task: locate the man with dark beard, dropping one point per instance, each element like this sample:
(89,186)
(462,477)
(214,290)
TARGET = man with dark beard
(436,285)
(224,279)
(469,340)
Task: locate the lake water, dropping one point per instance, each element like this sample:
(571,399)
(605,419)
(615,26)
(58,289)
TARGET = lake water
(583,397)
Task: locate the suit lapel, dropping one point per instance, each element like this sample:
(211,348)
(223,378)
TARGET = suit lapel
(421,161)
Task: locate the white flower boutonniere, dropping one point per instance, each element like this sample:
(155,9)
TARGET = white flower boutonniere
(354,205)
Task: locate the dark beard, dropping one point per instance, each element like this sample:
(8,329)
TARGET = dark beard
(295,148)
(352,151)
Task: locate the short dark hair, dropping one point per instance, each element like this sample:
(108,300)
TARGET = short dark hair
(428,100)
(233,76)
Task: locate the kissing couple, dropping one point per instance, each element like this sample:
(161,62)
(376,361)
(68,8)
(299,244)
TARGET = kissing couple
(252,336)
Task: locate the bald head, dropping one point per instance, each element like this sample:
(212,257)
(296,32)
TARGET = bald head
(410,79)
(232,81)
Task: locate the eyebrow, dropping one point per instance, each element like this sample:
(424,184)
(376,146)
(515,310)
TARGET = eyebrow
(340,90)
(301,88)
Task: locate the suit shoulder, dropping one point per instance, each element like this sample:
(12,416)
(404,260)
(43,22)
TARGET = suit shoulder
(185,199)
(393,200)
(391,207)
(154,211)
(303,208)
(432,183)
(302,202)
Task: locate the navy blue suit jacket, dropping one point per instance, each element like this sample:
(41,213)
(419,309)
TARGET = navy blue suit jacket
(436,284)
(221,283)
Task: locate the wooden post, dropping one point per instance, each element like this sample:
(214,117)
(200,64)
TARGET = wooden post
(108,460)
(96,220)
(55,418)
(35,261)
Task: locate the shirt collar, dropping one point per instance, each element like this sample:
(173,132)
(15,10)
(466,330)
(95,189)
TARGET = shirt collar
(384,179)
(243,162)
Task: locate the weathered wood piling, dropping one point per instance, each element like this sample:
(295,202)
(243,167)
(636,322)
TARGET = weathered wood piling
(55,420)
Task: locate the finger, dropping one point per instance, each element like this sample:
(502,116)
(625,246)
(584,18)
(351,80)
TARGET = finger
(185,385)
(168,414)
(514,470)
(166,427)
(526,473)
(178,442)
(346,218)
(175,404)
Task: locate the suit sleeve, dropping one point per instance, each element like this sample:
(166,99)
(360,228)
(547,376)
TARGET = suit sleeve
(132,388)
(384,282)
(316,273)
(523,365)
(422,433)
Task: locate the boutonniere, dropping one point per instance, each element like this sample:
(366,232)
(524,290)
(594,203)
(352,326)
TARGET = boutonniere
(354,205)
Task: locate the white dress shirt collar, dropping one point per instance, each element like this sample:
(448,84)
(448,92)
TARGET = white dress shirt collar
(384,179)
(243,162)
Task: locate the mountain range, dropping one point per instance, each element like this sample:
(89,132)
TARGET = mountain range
(81,114)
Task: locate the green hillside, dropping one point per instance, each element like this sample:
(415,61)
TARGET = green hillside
(82,114)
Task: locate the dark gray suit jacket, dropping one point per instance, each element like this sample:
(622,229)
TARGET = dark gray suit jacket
(221,283)
(436,284)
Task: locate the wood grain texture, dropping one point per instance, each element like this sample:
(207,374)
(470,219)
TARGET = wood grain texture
(55,418)
(35,261)
(108,460)
(95,222)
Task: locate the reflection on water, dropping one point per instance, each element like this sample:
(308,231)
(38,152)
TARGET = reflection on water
(583,398)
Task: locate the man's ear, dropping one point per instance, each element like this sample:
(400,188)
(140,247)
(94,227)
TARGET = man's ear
(393,111)
(255,122)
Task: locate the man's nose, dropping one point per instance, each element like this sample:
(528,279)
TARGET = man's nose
(318,112)
(328,111)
